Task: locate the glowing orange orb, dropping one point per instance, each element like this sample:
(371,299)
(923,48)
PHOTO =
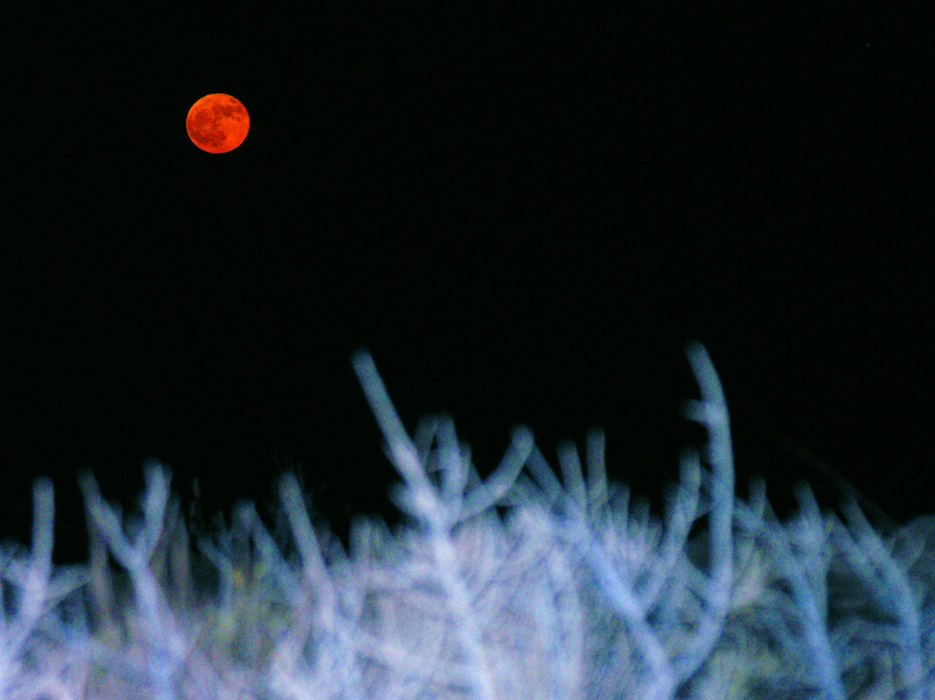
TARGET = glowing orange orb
(217,123)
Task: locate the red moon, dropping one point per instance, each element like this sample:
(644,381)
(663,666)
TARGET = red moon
(217,123)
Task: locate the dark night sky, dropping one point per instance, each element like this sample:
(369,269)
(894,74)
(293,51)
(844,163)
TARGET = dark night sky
(524,218)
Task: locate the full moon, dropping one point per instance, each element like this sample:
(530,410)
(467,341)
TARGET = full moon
(217,123)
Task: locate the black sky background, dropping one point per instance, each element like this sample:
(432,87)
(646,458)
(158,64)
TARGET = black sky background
(524,217)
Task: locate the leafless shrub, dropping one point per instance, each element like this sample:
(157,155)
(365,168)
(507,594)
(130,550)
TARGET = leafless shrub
(571,590)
